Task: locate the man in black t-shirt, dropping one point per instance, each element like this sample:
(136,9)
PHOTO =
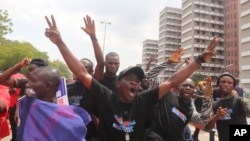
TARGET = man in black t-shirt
(122,114)
(174,112)
(228,109)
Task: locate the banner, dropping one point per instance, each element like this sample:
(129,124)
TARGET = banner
(61,94)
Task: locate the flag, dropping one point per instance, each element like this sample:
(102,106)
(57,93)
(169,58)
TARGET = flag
(45,121)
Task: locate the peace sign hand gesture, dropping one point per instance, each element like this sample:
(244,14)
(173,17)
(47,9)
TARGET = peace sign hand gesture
(52,32)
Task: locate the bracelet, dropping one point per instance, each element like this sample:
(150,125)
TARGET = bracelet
(200,60)
(93,38)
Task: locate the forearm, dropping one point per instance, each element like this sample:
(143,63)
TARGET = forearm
(211,124)
(5,76)
(99,59)
(204,115)
(73,63)
(153,72)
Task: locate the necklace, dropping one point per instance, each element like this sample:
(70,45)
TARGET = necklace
(126,114)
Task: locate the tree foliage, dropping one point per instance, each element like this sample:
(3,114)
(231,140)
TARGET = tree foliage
(197,77)
(13,52)
(5,24)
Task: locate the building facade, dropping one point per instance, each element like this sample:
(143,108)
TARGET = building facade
(231,37)
(150,47)
(244,34)
(169,38)
(201,21)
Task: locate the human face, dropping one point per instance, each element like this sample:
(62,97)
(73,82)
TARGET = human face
(128,87)
(31,68)
(186,89)
(226,85)
(37,84)
(112,64)
(88,66)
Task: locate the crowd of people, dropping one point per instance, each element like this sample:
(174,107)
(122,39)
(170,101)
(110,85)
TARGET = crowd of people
(106,106)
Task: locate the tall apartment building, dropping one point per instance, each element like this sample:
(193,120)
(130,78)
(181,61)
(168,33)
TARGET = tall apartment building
(201,20)
(150,47)
(169,37)
(244,34)
(231,37)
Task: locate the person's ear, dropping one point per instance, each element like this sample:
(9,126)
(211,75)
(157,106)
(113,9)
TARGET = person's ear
(49,85)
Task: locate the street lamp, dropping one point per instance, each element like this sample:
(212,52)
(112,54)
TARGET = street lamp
(105,23)
(222,69)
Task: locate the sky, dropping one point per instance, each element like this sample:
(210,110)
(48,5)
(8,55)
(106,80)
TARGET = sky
(132,22)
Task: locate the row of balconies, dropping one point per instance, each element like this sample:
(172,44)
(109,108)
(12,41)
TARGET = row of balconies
(204,3)
(210,21)
(208,13)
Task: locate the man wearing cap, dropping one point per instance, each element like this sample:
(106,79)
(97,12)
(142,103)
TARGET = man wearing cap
(229,109)
(123,115)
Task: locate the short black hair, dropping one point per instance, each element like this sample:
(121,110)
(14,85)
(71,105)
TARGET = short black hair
(226,74)
(39,62)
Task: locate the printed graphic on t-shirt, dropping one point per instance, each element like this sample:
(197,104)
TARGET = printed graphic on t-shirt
(228,116)
(125,126)
(179,114)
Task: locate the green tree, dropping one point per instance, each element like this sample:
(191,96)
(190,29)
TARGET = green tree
(197,77)
(5,24)
(14,51)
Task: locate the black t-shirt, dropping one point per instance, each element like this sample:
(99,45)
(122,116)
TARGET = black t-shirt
(235,115)
(111,113)
(109,82)
(77,89)
(171,116)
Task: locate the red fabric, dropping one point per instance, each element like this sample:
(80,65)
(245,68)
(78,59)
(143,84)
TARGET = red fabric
(14,96)
(4,126)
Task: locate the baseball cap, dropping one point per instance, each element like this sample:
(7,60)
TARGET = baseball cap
(137,70)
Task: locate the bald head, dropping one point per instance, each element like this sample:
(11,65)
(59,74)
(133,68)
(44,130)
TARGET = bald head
(49,74)
(45,82)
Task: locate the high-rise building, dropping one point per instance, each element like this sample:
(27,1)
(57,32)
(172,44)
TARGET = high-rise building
(201,20)
(244,39)
(150,47)
(231,37)
(169,37)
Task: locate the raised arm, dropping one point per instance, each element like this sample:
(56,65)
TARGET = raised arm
(90,30)
(152,58)
(174,58)
(5,77)
(185,72)
(73,63)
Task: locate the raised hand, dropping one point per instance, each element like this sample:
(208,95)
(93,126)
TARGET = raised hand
(89,26)
(25,62)
(176,56)
(210,51)
(221,112)
(52,32)
(152,57)
(207,87)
